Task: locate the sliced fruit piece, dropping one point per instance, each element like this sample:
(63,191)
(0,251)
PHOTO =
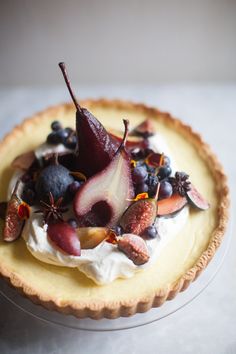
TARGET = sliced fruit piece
(139,216)
(103,198)
(24,161)
(93,140)
(144,129)
(171,205)
(132,143)
(155,159)
(197,199)
(134,247)
(64,237)
(15,217)
(90,237)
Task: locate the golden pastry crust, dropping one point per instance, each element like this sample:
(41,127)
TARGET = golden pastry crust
(103,309)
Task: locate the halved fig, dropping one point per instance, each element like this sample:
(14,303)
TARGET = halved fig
(24,161)
(196,199)
(139,216)
(90,237)
(64,237)
(135,248)
(144,129)
(171,205)
(16,215)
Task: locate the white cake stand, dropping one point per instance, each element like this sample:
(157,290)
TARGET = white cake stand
(152,315)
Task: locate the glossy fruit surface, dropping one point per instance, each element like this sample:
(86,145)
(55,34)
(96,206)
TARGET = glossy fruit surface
(166,190)
(150,232)
(103,198)
(197,199)
(171,205)
(134,247)
(64,237)
(139,216)
(13,222)
(91,237)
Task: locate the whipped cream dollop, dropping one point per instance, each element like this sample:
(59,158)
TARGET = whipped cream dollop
(106,262)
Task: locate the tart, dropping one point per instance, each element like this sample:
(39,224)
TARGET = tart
(181,261)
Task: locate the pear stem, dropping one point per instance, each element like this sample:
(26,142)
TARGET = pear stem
(122,145)
(62,66)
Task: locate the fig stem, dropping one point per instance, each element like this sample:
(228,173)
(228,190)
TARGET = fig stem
(62,66)
(125,136)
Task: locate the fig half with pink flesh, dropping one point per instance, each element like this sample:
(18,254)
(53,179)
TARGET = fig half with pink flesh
(95,148)
(196,199)
(139,216)
(169,206)
(15,217)
(103,198)
(64,237)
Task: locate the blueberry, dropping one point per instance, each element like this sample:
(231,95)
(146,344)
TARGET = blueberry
(71,142)
(56,125)
(165,190)
(53,138)
(152,184)
(150,232)
(141,188)
(139,174)
(164,172)
(55,179)
(72,222)
(118,230)
(63,135)
(74,186)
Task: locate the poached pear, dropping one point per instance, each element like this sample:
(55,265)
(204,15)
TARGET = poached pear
(95,147)
(103,198)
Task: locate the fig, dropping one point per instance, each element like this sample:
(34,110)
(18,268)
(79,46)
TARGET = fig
(144,129)
(53,179)
(196,199)
(134,247)
(171,205)
(139,216)
(16,213)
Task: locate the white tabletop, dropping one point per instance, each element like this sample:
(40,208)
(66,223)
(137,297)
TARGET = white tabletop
(206,325)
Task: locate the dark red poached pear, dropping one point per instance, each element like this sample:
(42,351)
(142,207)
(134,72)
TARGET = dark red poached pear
(101,200)
(95,147)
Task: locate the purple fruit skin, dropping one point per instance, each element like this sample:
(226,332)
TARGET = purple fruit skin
(95,146)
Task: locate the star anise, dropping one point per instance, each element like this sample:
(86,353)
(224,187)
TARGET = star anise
(53,210)
(180,183)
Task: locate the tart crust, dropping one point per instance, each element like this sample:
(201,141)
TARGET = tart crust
(102,308)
